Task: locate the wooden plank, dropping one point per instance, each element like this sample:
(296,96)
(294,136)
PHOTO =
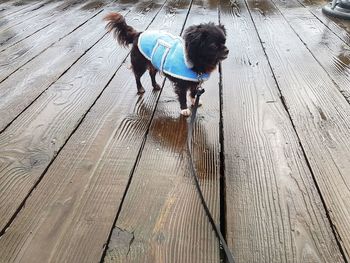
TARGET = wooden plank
(20,54)
(274,212)
(340,27)
(15,7)
(319,112)
(5,3)
(330,51)
(8,7)
(19,18)
(24,86)
(162,219)
(20,32)
(17,33)
(78,198)
(34,139)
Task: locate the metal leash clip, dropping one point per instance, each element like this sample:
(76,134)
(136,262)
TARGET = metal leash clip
(200,90)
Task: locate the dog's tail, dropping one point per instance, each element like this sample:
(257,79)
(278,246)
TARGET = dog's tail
(122,32)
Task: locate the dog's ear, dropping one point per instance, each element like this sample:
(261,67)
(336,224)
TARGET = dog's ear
(223,29)
(193,37)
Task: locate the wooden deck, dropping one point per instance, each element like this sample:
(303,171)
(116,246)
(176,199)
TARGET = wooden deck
(92,172)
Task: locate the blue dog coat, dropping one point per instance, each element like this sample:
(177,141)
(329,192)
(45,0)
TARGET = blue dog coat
(167,54)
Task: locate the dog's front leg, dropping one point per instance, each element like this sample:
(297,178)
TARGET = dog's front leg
(181,92)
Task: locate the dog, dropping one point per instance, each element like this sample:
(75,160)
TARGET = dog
(186,61)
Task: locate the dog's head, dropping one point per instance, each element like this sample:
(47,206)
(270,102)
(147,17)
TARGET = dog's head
(205,46)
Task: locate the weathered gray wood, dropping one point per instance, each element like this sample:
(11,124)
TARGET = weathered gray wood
(274,212)
(330,51)
(20,54)
(24,16)
(14,7)
(24,86)
(320,114)
(340,27)
(9,7)
(162,219)
(6,4)
(78,198)
(34,139)
(277,214)
(56,14)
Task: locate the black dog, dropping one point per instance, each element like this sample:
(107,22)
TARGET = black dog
(186,62)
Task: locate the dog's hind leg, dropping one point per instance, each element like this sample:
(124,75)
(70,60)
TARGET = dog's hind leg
(152,72)
(139,66)
(138,71)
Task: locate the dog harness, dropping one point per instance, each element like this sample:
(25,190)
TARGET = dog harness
(167,54)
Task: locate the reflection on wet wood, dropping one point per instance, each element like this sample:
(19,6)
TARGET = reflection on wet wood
(162,197)
(319,112)
(339,26)
(13,58)
(35,24)
(72,127)
(271,200)
(83,189)
(24,86)
(331,52)
(37,135)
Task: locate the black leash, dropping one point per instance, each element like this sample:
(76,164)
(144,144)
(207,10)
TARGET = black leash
(227,251)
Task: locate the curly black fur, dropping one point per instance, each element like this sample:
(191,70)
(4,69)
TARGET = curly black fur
(204,44)
(124,34)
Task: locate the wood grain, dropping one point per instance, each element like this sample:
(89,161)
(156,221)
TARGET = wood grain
(89,176)
(24,16)
(77,143)
(10,7)
(319,112)
(24,86)
(18,7)
(340,27)
(162,219)
(330,51)
(29,27)
(18,55)
(33,140)
(274,212)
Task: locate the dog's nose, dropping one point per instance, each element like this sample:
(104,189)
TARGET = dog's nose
(226,51)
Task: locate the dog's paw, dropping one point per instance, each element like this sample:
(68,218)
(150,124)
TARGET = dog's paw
(157,87)
(186,112)
(140,90)
(193,101)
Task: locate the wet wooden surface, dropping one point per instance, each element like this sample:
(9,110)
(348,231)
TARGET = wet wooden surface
(175,228)
(270,193)
(90,171)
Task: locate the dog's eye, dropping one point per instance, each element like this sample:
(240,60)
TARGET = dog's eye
(213,46)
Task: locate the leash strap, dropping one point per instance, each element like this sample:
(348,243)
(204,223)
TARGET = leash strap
(216,229)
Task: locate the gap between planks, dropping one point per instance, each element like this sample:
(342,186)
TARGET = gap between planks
(36,190)
(310,130)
